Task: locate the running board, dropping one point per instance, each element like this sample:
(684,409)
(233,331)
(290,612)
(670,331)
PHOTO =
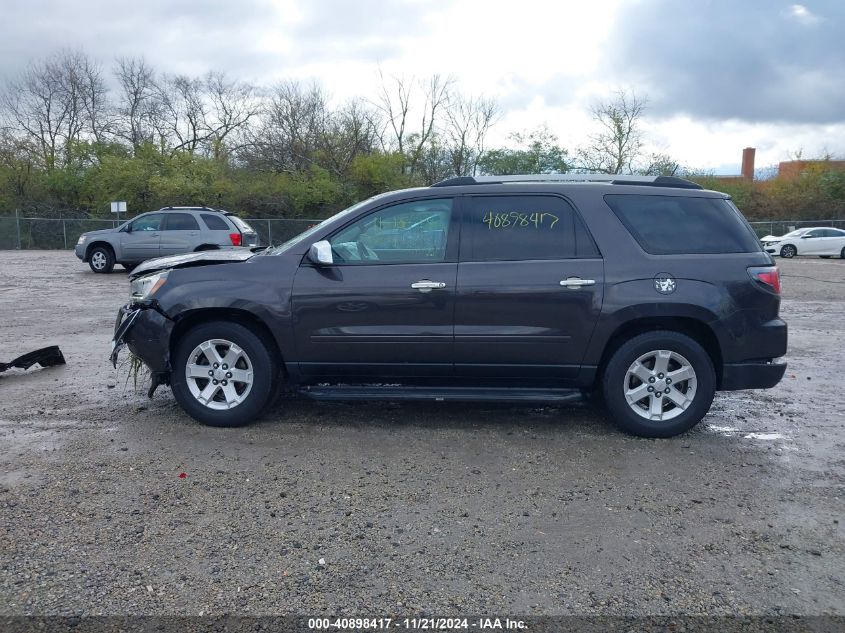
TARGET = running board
(440,394)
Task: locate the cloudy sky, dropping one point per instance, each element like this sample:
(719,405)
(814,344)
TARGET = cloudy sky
(719,75)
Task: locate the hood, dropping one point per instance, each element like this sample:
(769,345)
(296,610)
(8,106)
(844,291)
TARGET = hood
(203,258)
(770,238)
(99,232)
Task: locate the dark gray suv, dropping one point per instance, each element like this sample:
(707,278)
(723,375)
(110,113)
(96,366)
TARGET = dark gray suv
(168,231)
(647,290)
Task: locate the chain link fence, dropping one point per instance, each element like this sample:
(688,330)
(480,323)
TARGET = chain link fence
(57,233)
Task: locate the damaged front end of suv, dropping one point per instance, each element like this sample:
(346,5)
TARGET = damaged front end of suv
(145,329)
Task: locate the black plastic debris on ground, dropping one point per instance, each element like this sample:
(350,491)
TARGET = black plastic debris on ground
(46,357)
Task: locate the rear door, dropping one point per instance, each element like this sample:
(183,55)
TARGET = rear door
(834,242)
(143,241)
(530,287)
(385,307)
(180,234)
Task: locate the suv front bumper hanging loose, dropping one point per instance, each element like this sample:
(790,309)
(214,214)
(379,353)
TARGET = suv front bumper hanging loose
(146,331)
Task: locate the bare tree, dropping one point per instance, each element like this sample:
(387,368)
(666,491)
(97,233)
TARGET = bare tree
(397,104)
(618,143)
(350,132)
(138,106)
(56,103)
(184,112)
(233,104)
(292,125)
(468,120)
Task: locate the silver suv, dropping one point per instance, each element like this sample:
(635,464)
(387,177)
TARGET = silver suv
(168,231)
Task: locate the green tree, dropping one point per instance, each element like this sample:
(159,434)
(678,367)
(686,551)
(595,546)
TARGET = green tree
(537,152)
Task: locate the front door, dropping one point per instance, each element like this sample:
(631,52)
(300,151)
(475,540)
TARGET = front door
(530,287)
(180,234)
(143,240)
(385,307)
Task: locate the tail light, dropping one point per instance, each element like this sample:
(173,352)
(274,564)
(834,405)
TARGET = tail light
(767,275)
(236,238)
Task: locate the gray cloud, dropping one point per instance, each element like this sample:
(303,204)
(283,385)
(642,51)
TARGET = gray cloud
(363,29)
(190,36)
(754,60)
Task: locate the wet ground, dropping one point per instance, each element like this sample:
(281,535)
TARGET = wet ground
(366,509)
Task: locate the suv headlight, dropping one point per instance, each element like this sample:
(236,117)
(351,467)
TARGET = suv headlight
(81,240)
(145,287)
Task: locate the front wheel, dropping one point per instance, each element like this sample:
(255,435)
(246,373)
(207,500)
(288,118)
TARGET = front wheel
(659,384)
(101,259)
(788,251)
(223,373)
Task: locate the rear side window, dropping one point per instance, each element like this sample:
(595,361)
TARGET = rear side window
(215,222)
(181,222)
(243,227)
(518,228)
(675,225)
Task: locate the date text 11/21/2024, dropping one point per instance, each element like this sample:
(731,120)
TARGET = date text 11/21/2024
(415,624)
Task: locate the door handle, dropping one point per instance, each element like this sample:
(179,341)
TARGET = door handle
(426,285)
(577,282)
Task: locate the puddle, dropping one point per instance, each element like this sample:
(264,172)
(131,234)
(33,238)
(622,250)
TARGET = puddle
(764,436)
(732,431)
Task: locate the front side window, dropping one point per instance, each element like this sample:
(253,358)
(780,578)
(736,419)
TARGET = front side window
(410,232)
(181,222)
(517,228)
(677,225)
(150,222)
(816,233)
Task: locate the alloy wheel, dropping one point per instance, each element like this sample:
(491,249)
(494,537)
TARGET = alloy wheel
(219,374)
(660,385)
(98,260)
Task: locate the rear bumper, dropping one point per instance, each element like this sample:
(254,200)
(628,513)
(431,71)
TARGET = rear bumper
(751,375)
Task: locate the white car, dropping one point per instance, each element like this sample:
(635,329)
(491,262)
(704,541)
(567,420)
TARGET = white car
(818,240)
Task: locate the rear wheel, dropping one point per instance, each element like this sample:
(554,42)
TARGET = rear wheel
(101,259)
(788,251)
(659,384)
(223,373)
(825,256)
(842,254)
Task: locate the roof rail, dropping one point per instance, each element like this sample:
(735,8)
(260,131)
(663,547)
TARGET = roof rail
(204,208)
(613,179)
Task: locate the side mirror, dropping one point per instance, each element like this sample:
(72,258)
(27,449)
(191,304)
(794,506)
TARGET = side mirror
(320,253)
(128,228)
(804,237)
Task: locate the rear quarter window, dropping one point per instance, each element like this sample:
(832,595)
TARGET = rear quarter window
(676,225)
(215,222)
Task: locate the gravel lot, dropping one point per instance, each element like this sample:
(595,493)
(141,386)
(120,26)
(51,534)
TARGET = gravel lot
(373,509)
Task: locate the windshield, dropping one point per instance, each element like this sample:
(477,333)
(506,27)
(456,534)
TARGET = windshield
(282,248)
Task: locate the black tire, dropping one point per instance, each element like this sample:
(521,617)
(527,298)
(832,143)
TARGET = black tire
(264,370)
(842,254)
(129,267)
(615,377)
(101,259)
(206,247)
(788,251)
(825,256)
